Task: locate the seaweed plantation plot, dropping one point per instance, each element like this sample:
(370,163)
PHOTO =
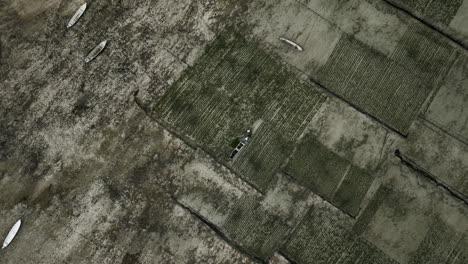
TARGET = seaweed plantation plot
(320,238)
(329,175)
(367,215)
(266,151)
(317,168)
(439,11)
(390,89)
(233,85)
(252,227)
(352,190)
(441,245)
(428,57)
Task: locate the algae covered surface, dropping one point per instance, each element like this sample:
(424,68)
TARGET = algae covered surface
(357,151)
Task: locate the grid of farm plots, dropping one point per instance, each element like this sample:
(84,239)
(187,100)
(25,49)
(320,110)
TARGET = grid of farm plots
(233,86)
(322,238)
(393,90)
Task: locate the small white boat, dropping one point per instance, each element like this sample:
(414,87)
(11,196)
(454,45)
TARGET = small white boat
(11,234)
(77,15)
(98,49)
(295,45)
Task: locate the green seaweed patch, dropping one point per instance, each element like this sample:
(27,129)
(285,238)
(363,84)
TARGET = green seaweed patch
(231,86)
(235,142)
(317,167)
(353,190)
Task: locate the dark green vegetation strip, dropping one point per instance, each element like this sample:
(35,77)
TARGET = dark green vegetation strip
(267,150)
(352,190)
(317,167)
(230,87)
(393,90)
(329,175)
(321,239)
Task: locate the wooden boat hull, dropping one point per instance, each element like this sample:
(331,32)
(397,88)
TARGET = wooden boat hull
(13,231)
(96,51)
(296,46)
(77,15)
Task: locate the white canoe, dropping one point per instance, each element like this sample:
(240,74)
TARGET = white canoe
(296,46)
(98,49)
(77,15)
(11,234)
